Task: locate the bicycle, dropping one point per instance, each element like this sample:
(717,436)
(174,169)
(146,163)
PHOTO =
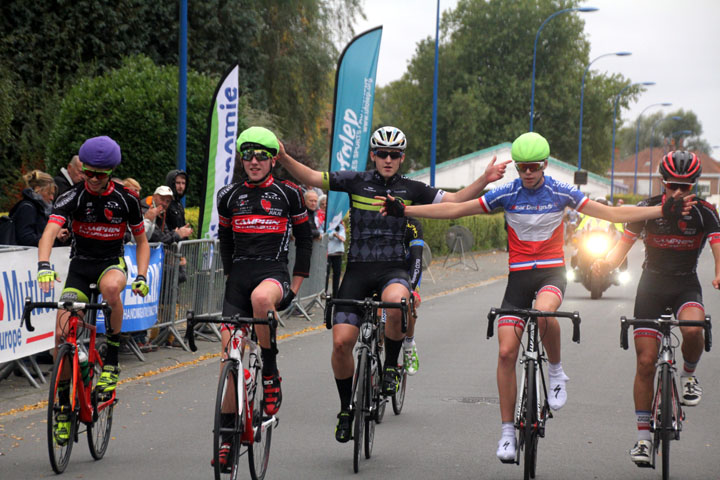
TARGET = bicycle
(398,399)
(532,409)
(368,405)
(666,415)
(251,429)
(87,406)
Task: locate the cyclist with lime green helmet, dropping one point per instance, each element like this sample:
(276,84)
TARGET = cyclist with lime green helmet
(534,204)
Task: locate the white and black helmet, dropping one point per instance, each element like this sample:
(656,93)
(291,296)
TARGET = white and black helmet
(388,137)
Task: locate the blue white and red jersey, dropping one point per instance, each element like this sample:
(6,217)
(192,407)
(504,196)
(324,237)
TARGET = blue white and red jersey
(534,220)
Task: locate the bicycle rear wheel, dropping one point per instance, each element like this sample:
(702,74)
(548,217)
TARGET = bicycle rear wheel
(259,450)
(60,451)
(529,428)
(98,432)
(360,394)
(227,433)
(666,408)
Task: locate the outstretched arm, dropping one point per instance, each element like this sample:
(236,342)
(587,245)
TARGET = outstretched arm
(493,172)
(437,210)
(633,214)
(303,173)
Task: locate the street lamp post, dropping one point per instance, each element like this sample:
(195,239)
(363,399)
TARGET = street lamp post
(637,139)
(582,98)
(612,163)
(537,36)
(652,138)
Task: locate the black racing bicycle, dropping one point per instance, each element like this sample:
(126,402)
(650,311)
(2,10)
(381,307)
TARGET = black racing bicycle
(240,392)
(368,406)
(532,409)
(666,415)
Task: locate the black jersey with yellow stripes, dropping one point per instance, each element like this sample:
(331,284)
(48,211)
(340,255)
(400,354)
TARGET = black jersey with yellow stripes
(373,237)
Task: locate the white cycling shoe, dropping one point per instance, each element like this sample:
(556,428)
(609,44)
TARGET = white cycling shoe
(557,395)
(506,449)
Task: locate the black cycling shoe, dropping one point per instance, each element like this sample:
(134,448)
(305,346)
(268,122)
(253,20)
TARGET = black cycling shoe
(391,381)
(343,430)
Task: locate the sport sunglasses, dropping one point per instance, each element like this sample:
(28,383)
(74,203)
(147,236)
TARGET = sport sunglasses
(260,155)
(99,174)
(683,187)
(530,166)
(384,154)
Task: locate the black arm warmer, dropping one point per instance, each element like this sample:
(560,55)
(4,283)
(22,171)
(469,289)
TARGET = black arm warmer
(303,249)
(225,235)
(415,264)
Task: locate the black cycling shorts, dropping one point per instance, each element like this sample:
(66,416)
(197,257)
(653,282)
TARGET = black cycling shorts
(83,272)
(656,292)
(362,280)
(524,285)
(244,277)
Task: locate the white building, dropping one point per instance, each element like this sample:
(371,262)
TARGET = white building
(460,172)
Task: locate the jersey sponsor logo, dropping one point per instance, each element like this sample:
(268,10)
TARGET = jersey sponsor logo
(271,195)
(265,204)
(259,224)
(674,242)
(99,231)
(108,214)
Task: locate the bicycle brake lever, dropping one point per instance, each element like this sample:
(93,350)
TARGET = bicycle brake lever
(623,333)
(26,316)
(491,319)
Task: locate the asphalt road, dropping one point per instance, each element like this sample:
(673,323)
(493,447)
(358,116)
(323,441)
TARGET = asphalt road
(448,429)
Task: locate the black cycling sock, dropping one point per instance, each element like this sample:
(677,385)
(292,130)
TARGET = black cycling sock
(344,387)
(113,347)
(269,364)
(392,350)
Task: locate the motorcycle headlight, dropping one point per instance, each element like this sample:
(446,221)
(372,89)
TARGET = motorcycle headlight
(624,278)
(570,275)
(597,244)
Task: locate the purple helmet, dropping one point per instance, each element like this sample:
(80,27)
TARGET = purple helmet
(100,152)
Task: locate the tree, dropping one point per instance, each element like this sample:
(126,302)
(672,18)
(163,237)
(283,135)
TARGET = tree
(668,133)
(485,82)
(137,106)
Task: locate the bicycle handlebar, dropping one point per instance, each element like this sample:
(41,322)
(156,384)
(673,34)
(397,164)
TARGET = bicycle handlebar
(236,320)
(662,324)
(66,305)
(532,313)
(367,303)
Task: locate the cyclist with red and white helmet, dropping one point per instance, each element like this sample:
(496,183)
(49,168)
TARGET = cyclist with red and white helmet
(534,204)
(669,280)
(377,251)
(100,212)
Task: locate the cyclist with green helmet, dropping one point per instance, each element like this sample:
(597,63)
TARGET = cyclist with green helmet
(256,217)
(533,205)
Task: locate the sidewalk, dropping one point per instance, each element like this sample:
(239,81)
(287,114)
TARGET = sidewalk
(17,395)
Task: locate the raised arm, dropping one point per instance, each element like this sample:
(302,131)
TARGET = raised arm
(621,214)
(493,173)
(444,210)
(302,173)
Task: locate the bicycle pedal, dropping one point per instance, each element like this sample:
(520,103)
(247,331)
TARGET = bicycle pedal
(508,461)
(645,465)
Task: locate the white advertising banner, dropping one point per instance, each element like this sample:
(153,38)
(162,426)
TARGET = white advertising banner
(18,279)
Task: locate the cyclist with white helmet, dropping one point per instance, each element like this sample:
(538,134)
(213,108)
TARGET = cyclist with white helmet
(533,205)
(100,212)
(669,280)
(376,255)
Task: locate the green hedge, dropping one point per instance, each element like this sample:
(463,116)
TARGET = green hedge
(488,231)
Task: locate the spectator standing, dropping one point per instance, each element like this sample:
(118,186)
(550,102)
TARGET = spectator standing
(321,211)
(177,180)
(31,214)
(69,176)
(311,202)
(336,249)
(154,212)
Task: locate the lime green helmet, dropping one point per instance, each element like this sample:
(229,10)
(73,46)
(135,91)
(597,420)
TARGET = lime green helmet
(530,147)
(258,137)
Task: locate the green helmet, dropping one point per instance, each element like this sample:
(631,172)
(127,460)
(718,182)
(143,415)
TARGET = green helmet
(530,147)
(258,137)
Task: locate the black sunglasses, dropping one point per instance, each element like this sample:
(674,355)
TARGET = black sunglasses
(260,155)
(384,154)
(683,187)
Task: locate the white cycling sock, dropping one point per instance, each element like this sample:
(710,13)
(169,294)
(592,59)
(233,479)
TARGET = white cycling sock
(409,341)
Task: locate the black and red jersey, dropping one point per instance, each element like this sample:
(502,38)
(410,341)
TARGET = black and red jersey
(673,247)
(255,223)
(99,221)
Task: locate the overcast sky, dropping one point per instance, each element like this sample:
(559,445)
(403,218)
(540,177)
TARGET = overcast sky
(673,43)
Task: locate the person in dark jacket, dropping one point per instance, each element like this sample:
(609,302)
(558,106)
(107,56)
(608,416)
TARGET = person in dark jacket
(155,209)
(69,176)
(177,180)
(30,215)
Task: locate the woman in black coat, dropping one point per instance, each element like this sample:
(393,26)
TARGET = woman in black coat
(30,215)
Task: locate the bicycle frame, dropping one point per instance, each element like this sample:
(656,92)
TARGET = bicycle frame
(665,429)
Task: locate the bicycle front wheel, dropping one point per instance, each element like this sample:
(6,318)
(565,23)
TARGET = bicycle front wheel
(398,400)
(529,429)
(360,406)
(228,424)
(666,408)
(259,450)
(370,400)
(98,432)
(61,416)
